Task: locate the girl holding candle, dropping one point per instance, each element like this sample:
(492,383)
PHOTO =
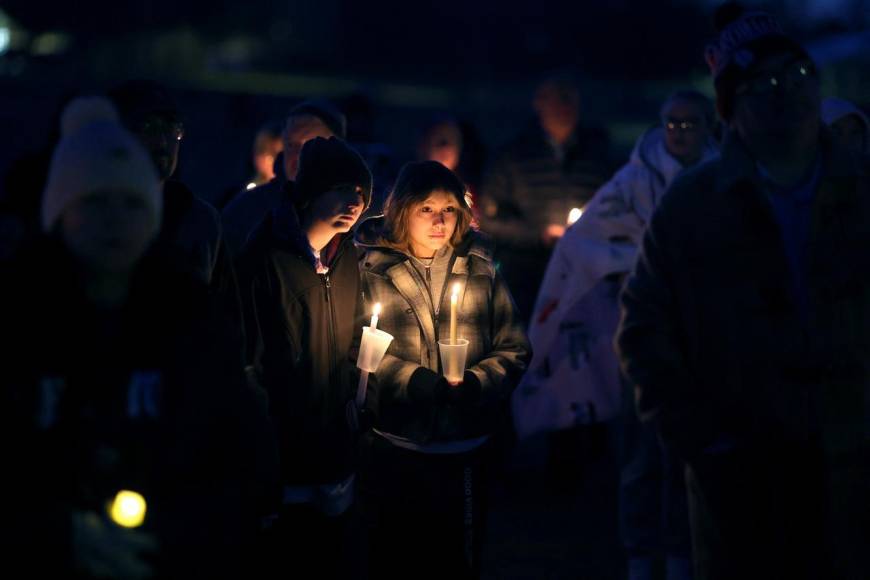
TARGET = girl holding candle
(422,478)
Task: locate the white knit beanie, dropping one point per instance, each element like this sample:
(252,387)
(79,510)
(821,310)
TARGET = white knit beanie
(96,153)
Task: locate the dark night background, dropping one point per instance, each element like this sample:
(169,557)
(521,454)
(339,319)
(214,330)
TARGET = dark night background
(391,65)
(234,65)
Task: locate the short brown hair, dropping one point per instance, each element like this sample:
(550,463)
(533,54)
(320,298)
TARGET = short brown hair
(416,181)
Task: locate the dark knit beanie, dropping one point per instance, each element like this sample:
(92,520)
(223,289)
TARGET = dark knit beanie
(326,112)
(325,164)
(745,37)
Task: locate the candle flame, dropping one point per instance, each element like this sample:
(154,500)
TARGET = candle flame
(377,309)
(455,293)
(574,215)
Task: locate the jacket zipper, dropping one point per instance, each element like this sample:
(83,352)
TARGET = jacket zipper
(436,304)
(429,288)
(327,294)
(331,322)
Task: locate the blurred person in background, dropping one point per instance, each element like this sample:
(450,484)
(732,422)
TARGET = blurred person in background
(850,127)
(268,144)
(745,324)
(307,120)
(120,376)
(555,165)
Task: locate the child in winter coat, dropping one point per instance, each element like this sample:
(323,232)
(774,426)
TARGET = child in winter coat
(103,392)
(425,471)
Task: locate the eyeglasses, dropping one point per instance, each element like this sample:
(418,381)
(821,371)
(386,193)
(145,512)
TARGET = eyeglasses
(157,127)
(791,76)
(679,125)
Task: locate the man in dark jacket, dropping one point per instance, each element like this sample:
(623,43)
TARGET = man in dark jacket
(300,286)
(745,327)
(191,237)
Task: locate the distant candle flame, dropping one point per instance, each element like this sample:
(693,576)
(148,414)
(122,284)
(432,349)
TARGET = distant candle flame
(128,509)
(455,293)
(376,311)
(574,215)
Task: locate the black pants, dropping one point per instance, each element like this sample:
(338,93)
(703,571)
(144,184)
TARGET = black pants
(761,514)
(304,541)
(424,513)
(653,503)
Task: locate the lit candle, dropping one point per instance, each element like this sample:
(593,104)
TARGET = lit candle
(574,215)
(454,299)
(128,509)
(376,311)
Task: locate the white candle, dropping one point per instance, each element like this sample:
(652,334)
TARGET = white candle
(375,312)
(454,299)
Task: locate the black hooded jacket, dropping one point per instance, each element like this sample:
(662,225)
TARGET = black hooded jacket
(300,329)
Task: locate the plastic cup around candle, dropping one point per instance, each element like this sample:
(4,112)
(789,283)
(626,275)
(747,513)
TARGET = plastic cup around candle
(453,358)
(372,349)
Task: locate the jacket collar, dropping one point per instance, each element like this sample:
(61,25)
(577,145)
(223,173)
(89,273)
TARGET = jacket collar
(382,258)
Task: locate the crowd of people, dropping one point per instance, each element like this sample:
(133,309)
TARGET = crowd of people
(705,307)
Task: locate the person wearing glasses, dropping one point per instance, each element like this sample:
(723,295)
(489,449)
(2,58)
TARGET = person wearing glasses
(191,238)
(191,235)
(746,323)
(575,318)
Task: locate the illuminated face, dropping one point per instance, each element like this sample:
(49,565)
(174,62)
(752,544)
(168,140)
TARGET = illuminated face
(558,109)
(108,231)
(432,222)
(264,158)
(338,209)
(444,145)
(299,131)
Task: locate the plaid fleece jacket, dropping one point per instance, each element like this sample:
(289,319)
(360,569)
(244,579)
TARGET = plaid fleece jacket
(404,392)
